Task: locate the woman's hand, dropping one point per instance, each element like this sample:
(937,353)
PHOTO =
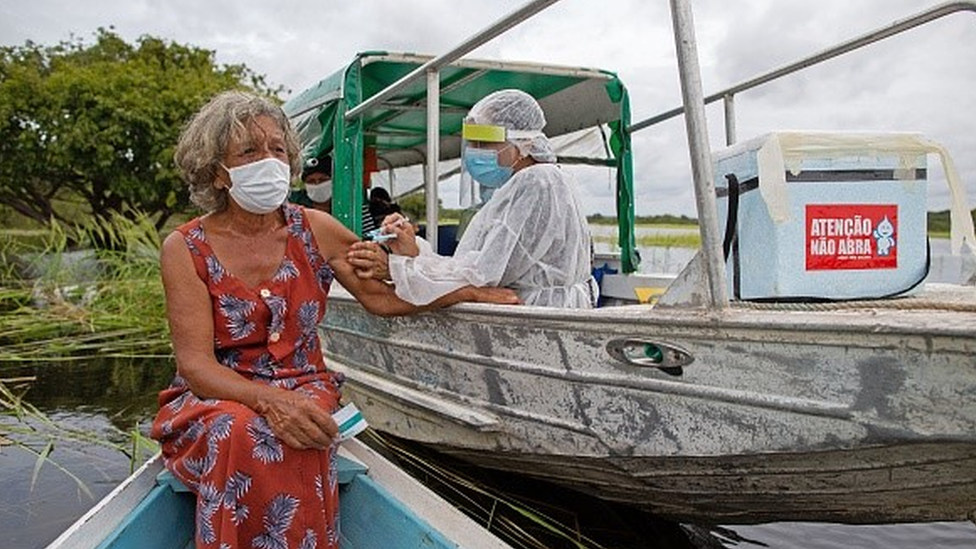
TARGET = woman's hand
(369,260)
(298,420)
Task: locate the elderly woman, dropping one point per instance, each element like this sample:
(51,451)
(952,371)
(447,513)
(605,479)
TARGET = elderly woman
(246,423)
(530,235)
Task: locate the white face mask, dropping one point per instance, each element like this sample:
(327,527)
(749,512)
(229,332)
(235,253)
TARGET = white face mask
(260,187)
(319,192)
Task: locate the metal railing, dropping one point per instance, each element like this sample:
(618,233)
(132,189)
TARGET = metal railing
(431,71)
(728,94)
(698,142)
(693,99)
(691,92)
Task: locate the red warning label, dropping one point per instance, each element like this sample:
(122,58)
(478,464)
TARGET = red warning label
(851,236)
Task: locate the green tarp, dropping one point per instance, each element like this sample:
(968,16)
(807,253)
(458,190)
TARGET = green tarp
(395,133)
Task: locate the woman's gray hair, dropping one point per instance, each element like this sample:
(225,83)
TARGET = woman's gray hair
(205,138)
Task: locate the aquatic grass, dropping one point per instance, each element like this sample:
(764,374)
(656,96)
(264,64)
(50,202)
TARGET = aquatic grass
(34,432)
(503,514)
(682,239)
(102,298)
(141,447)
(13,245)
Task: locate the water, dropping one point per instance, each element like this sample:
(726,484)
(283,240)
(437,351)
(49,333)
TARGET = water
(87,401)
(654,260)
(111,398)
(33,513)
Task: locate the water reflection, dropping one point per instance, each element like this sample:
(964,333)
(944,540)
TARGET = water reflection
(85,402)
(121,389)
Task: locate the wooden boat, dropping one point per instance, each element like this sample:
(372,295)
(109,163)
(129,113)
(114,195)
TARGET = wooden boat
(698,408)
(380,507)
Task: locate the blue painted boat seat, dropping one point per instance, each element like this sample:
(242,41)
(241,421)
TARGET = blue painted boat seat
(370,517)
(162,520)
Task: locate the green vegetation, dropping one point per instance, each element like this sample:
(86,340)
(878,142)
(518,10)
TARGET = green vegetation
(414,206)
(88,130)
(939,223)
(63,305)
(58,303)
(36,433)
(666,220)
(684,239)
(938,227)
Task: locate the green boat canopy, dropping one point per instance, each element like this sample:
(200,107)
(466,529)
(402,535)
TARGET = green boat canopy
(393,133)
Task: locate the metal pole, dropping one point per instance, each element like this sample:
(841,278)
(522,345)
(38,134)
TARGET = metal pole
(898,27)
(433,152)
(729,102)
(701,161)
(460,51)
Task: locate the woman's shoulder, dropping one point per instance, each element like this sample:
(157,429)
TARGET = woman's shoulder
(189,226)
(192,229)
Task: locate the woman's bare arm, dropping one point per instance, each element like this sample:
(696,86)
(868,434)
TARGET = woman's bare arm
(379,297)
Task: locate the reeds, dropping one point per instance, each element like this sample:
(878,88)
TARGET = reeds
(69,293)
(677,239)
(62,303)
(516,521)
(34,432)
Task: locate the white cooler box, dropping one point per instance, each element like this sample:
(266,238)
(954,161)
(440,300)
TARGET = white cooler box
(819,216)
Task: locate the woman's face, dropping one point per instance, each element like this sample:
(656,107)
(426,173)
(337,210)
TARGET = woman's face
(264,139)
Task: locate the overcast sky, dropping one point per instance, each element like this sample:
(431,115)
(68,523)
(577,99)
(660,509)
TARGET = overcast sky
(922,81)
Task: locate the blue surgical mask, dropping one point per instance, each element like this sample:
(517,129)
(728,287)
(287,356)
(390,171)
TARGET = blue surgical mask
(483,166)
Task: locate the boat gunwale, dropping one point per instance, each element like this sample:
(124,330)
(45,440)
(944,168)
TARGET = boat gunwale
(879,320)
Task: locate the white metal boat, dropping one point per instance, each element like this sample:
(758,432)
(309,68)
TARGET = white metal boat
(697,408)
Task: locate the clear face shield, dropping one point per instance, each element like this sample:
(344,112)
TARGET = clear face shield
(481,173)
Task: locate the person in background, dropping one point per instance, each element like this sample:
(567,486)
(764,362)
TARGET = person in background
(530,235)
(247,421)
(381,204)
(317,190)
(370,166)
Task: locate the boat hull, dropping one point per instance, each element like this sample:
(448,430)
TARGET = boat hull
(752,415)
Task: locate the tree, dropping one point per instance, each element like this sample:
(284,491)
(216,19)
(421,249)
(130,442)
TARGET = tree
(93,127)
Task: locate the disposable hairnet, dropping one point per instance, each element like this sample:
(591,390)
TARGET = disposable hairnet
(519,111)
(531,236)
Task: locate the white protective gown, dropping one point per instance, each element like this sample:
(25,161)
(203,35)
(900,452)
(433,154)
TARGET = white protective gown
(531,236)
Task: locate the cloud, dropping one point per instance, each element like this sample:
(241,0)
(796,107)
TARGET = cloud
(921,81)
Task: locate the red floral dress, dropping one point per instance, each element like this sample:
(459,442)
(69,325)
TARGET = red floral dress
(252,490)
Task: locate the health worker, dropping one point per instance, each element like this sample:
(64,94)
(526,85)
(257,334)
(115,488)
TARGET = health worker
(530,235)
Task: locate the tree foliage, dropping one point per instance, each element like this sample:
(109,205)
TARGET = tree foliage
(414,206)
(89,129)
